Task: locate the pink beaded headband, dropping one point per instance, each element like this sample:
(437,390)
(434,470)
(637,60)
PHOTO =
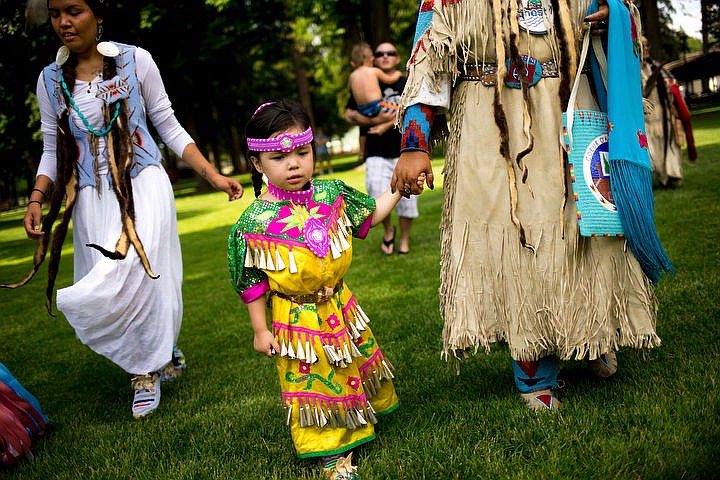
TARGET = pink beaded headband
(282,143)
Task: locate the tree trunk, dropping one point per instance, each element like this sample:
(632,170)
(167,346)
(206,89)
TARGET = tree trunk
(303,85)
(651,27)
(378,22)
(705,16)
(238,159)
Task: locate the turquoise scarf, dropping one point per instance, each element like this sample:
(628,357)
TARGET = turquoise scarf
(630,168)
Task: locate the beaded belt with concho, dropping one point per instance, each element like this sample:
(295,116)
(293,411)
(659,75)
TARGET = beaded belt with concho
(486,73)
(321,296)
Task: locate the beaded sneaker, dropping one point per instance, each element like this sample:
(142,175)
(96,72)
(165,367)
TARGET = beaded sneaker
(147,394)
(340,468)
(174,367)
(605,366)
(541,401)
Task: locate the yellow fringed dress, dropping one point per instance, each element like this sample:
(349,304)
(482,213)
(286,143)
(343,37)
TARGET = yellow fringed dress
(335,380)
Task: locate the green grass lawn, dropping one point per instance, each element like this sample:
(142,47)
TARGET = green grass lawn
(658,418)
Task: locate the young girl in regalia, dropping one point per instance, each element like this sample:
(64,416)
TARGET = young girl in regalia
(288,254)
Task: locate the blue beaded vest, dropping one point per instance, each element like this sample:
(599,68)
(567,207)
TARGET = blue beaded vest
(145,150)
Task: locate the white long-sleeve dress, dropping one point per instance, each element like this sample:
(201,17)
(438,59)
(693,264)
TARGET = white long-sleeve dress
(115,308)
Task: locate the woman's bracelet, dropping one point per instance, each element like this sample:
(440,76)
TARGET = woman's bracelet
(35,201)
(41,192)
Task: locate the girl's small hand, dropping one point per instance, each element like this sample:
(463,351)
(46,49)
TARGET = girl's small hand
(265,343)
(407,171)
(421,180)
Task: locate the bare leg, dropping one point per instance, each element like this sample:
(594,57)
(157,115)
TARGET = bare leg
(405,225)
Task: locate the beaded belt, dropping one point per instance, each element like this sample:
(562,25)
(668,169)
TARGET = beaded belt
(486,73)
(321,296)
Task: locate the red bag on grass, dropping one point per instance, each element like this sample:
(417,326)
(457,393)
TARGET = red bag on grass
(20,425)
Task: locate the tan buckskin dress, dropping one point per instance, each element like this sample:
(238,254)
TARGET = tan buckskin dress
(571,296)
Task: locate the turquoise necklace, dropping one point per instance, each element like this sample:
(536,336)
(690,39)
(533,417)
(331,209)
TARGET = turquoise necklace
(101,133)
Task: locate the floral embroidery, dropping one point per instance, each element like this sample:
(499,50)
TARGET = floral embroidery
(333,321)
(353,382)
(642,139)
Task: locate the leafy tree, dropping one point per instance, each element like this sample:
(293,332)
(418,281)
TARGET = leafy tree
(711,23)
(219,60)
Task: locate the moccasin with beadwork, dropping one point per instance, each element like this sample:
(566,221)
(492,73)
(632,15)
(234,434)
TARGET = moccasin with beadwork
(605,366)
(541,400)
(147,394)
(342,470)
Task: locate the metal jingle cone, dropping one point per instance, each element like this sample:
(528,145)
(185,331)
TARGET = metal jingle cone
(300,350)
(388,372)
(328,353)
(354,350)
(358,413)
(283,348)
(279,264)
(365,318)
(349,422)
(301,414)
(108,49)
(346,352)
(331,417)
(248,258)
(369,388)
(308,415)
(291,260)
(270,265)
(343,242)
(323,418)
(353,331)
(340,418)
(262,265)
(370,414)
(317,415)
(288,416)
(359,325)
(291,352)
(334,250)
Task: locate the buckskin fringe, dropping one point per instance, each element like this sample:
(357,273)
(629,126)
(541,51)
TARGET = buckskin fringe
(557,323)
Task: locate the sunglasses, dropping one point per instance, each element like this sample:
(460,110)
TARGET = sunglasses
(381,54)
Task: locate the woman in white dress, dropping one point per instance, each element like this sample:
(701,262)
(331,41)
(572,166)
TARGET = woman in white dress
(95,100)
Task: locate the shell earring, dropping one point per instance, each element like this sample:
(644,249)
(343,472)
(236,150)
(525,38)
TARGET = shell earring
(62,55)
(99,35)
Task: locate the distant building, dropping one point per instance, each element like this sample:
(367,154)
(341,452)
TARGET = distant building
(698,75)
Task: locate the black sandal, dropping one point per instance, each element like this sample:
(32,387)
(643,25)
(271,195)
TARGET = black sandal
(389,244)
